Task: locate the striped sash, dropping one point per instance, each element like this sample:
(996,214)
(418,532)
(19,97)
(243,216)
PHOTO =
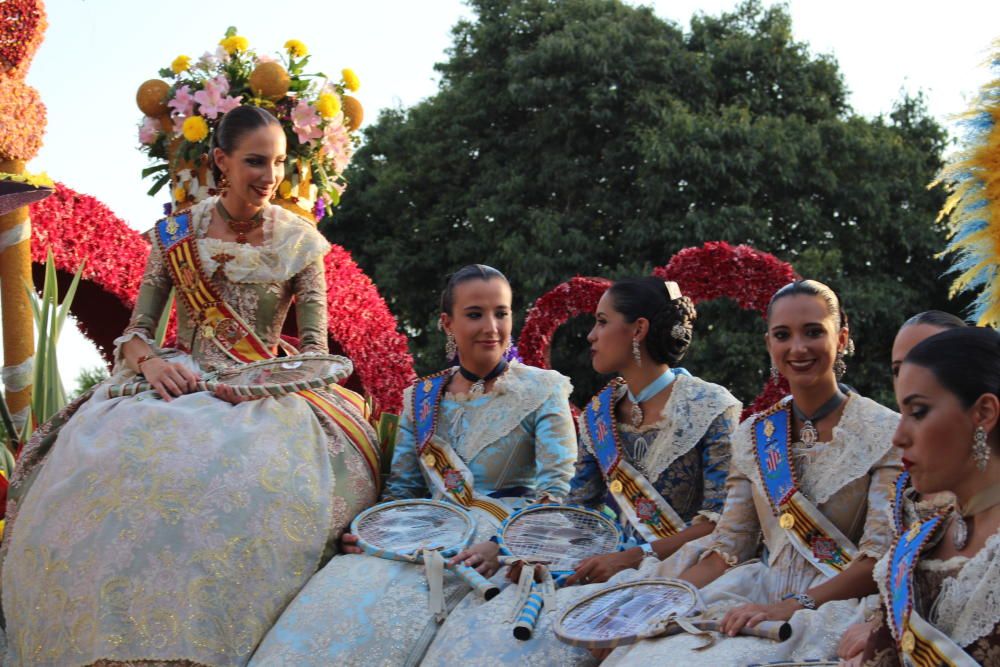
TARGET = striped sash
(646,509)
(221,324)
(445,469)
(814,536)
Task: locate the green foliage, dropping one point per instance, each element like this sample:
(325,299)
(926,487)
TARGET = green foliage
(47,393)
(591,137)
(89,377)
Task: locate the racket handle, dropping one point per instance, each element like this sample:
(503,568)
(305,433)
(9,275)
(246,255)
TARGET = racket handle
(483,587)
(528,618)
(778,631)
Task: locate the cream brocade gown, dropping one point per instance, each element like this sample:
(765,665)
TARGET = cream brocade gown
(148,532)
(849,479)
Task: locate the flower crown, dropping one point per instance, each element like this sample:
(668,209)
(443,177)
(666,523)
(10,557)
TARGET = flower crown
(316,113)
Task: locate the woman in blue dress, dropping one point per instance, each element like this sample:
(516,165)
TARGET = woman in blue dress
(656,430)
(504,427)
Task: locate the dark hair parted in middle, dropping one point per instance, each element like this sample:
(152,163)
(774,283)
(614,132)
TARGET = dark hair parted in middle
(670,320)
(466,273)
(237,122)
(812,288)
(966,361)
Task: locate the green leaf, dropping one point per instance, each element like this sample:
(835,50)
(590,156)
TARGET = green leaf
(230,31)
(158,185)
(149,171)
(68,299)
(167,73)
(161,327)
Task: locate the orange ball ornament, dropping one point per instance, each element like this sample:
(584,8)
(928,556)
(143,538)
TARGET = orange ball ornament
(270,81)
(354,113)
(152,98)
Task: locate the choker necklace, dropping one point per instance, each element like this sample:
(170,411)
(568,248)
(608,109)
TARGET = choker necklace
(980,502)
(241,227)
(648,392)
(808,435)
(479,383)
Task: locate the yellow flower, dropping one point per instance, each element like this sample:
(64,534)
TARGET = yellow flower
(234,44)
(328,105)
(296,48)
(181,64)
(180,194)
(285,189)
(195,129)
(351,80)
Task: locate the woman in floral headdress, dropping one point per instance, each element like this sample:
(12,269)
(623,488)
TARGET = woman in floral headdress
(173,527)
(505,430)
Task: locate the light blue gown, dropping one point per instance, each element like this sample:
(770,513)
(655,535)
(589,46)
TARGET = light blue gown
(517,440)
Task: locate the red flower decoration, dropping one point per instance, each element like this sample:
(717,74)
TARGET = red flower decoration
(77,228)
(747,276)
(577,296)
(22,25)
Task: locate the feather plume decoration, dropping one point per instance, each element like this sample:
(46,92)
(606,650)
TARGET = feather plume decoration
(972,209)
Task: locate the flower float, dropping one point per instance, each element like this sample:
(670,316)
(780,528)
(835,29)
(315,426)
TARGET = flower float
(182,110)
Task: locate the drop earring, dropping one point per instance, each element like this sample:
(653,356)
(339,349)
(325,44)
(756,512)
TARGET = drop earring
(635,352)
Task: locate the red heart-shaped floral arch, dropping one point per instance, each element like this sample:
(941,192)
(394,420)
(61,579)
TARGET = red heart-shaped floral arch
(78,229)
(712,271)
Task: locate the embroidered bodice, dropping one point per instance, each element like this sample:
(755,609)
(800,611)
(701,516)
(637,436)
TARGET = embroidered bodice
(259,282)
(684,454)
(520,434)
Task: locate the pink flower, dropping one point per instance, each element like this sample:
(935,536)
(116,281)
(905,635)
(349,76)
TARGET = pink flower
(213,101)
(148,130)
(183,102)
(305,122)
(337,147)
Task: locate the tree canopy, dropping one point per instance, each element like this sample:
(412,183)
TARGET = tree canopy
(591,137)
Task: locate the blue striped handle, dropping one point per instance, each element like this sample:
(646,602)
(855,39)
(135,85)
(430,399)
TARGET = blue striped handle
(483,587)
(528,618)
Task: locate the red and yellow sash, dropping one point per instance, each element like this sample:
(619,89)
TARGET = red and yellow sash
(221,324)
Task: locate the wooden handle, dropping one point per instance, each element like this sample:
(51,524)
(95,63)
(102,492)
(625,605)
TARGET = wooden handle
(778,631)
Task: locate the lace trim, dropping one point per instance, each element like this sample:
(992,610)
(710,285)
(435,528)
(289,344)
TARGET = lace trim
(120,366)
(515,395)
(860,440)
(290,244)
(968,606)
(951,565)
(693,406)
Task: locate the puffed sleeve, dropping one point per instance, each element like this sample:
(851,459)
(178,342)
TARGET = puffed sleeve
(153,293)
(715,454)
(405,479)
(878,534)
(737,533)
(309,287)
(587,487)
(555,444)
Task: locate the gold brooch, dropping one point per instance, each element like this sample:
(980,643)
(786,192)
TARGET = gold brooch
(909,642)
(429,460)
(616,486)
(786,521)
(768,428)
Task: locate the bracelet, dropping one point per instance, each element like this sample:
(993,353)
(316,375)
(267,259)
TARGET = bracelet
(143,359)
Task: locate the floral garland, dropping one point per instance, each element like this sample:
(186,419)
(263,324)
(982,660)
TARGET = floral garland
(39,180)
(79,229)
(747,276)
(577,296)
(22,25)
(317,115)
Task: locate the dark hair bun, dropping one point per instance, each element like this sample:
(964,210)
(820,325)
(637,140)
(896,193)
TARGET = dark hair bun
(670,320)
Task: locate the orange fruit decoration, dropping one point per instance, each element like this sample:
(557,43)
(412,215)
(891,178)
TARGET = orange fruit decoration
(354,113)
(152,98)
(270,81)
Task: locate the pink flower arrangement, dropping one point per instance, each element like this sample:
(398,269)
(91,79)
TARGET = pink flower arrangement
(212,99)
(148,130)
(337,145)
(305,122)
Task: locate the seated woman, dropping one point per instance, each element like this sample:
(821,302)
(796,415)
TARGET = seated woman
(939,581)
(506,428)
(811,475)
(175,531)
(673,434)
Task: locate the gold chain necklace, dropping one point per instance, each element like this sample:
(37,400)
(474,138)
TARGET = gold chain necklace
(240,227)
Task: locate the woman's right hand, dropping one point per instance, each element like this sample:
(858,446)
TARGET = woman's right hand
(169,379)
(349,544)
(854,640)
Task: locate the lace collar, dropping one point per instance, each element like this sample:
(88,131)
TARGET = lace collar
(515,395)
(687,415)
(860,440)
(967,606)
(290,244)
